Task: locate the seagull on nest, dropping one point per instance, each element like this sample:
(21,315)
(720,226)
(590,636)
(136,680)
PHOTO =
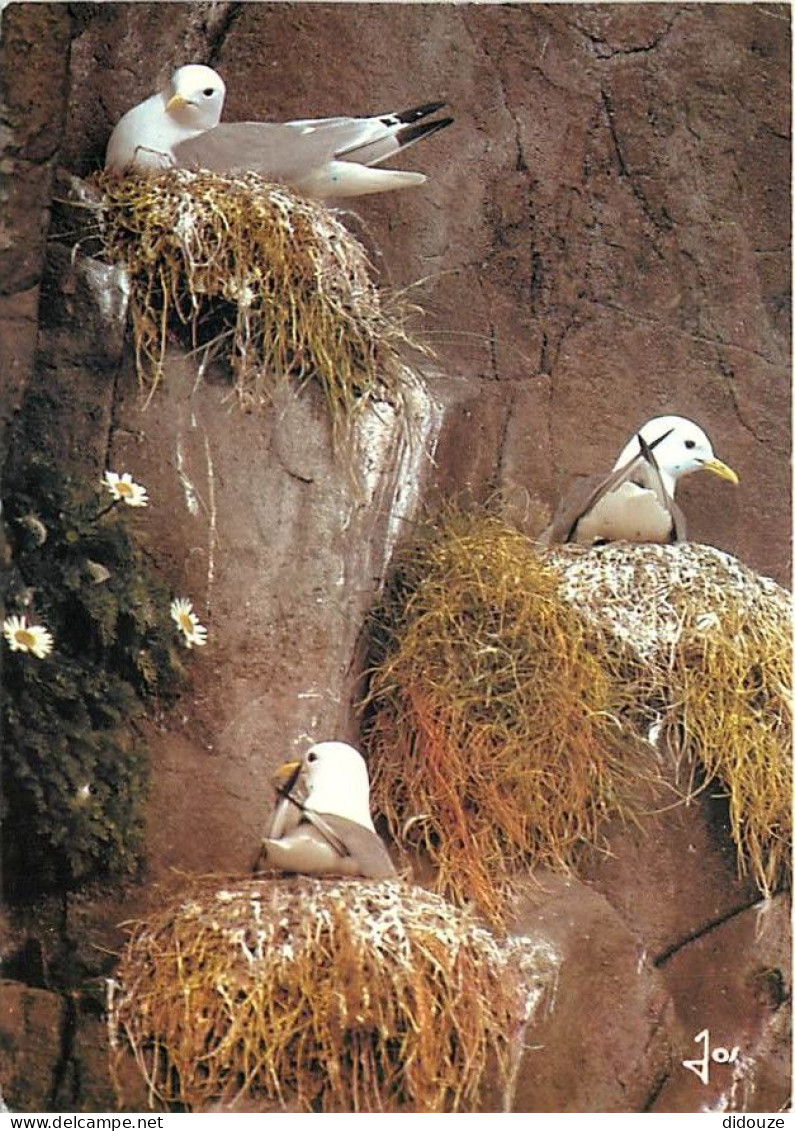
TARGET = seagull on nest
(330,831)
(635,501)
(181,127)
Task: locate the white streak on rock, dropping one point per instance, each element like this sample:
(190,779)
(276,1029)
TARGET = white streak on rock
(191,497)
(212,535)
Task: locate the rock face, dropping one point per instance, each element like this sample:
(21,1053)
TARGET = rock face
(54,1056)
(35,41)
(617,1062)
(605,231)
(732,981)
(285,550)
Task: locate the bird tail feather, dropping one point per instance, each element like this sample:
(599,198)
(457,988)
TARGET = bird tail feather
(345,178)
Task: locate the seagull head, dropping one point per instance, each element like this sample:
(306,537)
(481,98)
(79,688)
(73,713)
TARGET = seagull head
(334,775)
(195,96)
(684,450)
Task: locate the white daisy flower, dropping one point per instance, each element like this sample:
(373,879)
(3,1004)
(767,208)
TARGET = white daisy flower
(188,623)
(24,637)
(122,487)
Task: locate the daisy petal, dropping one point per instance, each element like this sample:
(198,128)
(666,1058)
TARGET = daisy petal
(123,488)
(24,637)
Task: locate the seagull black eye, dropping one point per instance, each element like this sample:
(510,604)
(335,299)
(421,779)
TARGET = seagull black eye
(208,92)
(690,443)
(311,758)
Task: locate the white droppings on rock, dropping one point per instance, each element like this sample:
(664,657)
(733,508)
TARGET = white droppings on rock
(191,496)
(394,450)
(110,286)
(375,436)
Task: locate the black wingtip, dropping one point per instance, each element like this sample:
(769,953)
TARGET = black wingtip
(408,134)
(645,450)
(417,112)
(644,447)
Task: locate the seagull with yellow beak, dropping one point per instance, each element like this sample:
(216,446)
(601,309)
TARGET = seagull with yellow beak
(180,127)
(635,501)
(329,831)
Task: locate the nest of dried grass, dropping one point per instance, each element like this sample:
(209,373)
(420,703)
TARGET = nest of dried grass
(708,650)
(512,694)
(343,996)
(492,721)
(269,280)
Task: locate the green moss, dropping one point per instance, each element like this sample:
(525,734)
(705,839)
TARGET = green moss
(75,768)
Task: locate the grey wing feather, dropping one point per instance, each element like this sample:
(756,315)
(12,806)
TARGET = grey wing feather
(288,810)
(365,846)
(290,150)
(281,152)
(587,493)
(680,523)
(654,476)
(579,499)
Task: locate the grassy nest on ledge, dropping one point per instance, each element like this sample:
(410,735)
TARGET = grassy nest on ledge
(518,698)
(709,644)
(265,278)
(325,996)
(492,721)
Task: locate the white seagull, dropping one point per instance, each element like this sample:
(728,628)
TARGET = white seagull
(330,831)
(635,501)
(319,157)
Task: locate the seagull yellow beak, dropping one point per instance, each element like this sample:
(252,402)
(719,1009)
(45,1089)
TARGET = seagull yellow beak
(721,469)
(285,775)
(177,102)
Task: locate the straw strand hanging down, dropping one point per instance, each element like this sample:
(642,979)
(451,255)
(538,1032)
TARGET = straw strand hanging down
(270,281)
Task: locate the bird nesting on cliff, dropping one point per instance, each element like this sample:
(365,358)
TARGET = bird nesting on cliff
(181,127)
(328,831)
(635,501)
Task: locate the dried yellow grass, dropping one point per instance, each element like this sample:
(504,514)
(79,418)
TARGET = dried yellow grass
(269,280)
(735,711)
(512,693)
(708,652)
(325,996)
(492,723)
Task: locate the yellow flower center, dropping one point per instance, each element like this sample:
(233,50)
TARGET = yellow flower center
(125,489)
(25,638)
(185,623)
